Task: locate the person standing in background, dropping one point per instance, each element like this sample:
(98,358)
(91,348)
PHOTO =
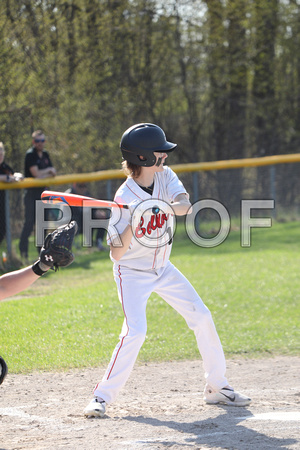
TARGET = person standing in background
(37,165)
(7,175)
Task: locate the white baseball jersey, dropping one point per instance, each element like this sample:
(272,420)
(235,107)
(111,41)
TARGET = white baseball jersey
(151,246)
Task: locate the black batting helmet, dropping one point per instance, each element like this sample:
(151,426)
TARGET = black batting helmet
(143,139)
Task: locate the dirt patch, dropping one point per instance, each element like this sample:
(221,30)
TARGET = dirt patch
(161,407)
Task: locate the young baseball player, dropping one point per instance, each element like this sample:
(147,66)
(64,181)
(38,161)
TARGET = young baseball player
(142,266)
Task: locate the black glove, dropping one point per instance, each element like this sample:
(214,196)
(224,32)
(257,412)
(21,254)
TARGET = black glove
(3,369)
(57,249)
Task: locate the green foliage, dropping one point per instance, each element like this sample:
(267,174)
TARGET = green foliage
(220,77)
(73,318)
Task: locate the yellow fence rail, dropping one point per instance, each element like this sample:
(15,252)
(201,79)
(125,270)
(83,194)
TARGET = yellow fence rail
(178,168)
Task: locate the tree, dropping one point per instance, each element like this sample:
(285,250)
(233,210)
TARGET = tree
(264,86)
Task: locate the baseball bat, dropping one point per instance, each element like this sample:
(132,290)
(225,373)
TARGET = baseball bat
(60,198)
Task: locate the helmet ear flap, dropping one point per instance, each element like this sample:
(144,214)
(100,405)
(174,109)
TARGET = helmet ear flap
(140,141)
(139,160)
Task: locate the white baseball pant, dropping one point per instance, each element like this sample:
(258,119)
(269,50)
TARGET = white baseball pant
(135,287)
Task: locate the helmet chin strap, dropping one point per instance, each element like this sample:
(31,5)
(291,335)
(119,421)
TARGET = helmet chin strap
(159,162)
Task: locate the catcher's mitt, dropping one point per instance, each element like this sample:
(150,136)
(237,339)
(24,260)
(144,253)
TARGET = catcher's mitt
(57,249)
(3,369)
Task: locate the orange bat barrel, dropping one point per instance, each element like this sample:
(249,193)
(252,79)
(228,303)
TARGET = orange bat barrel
(65,198)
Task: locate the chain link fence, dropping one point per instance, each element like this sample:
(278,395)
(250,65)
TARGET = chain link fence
(229,187)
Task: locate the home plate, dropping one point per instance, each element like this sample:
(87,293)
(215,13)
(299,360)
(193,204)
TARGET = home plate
(278,415)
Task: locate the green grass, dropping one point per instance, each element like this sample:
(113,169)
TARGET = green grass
(73,318)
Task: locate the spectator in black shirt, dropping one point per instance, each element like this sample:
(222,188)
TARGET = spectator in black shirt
(6,175)
(37,165)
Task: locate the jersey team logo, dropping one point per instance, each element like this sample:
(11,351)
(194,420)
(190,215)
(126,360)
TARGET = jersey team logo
(153,230)
(156,222)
